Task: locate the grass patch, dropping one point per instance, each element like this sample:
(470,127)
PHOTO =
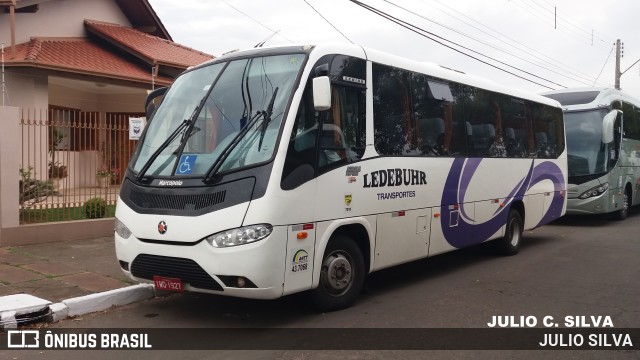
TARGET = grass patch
(28,254)
(127,281)
(35,216)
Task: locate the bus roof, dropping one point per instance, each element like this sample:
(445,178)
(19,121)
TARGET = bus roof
(381,57)
(589,97)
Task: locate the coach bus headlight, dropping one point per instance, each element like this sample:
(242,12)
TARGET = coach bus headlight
(596,191)
(239,236)
(122,230)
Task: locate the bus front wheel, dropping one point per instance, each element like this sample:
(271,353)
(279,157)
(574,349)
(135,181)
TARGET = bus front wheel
(341,277)
(510,242)
(624,211)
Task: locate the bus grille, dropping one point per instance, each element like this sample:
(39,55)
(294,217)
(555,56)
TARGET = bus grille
(146,266)
(177,202)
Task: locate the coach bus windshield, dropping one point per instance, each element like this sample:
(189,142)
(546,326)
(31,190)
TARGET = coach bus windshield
(587,154)
(233,107)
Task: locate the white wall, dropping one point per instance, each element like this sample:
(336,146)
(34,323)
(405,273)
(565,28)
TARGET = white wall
(123,102)
(26,88)
(9,164)
(72,98)
(130,100)
(60,18)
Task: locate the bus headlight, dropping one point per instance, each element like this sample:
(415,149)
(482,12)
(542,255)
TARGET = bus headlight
(240,236)
(122,230)
(596,191)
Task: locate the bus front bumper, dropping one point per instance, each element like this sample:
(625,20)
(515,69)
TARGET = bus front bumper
(254,270)
(594,205)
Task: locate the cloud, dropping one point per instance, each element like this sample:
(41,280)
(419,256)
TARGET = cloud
(523,28)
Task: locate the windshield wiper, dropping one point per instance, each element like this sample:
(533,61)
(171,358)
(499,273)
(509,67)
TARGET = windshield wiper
(267,117)
(215,167)
(188,133)
(186,124)
(209,176)
(161,148)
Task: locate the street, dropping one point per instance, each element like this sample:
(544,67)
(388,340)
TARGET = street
(577,266)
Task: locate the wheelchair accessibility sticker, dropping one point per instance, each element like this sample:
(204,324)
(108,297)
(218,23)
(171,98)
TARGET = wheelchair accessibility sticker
(187,162)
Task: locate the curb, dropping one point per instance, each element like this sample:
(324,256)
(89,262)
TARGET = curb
(51,313)
(101,301)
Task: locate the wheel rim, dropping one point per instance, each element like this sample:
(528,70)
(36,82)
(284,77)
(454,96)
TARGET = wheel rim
(515,232)
(337,273)
(625,204)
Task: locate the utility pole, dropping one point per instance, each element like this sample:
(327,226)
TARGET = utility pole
(4,86)
(619,55)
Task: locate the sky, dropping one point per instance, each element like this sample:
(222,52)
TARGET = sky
(554,44)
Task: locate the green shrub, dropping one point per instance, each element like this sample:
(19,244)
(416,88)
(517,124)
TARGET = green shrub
(95,208)
(32,190)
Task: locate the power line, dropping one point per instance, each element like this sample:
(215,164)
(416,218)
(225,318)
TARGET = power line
(424,33)
(492,46)
(605,64)
(516,45)
(261,43)
(256,21)
(329,22)
(607,41)
(535,12)
(588,32)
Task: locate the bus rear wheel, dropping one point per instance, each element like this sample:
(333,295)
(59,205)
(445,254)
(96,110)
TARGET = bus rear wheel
(510,242)
(624,211)
(341,277)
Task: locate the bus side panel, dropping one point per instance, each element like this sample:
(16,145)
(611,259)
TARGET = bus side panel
(635,185)
(462,213)
(533,209)
(630,160)
(490,207)
(402,236)
(476,198)
(549,179)
(298,275)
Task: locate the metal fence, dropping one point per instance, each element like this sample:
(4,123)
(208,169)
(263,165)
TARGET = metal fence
(72,163)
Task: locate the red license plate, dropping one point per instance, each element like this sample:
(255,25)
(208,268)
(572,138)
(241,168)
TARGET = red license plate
(168,284)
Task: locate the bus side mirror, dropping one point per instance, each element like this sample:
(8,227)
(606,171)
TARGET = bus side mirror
(608,126)
(149,106)
(322,93)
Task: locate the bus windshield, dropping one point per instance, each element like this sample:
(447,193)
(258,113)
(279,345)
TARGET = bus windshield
(207,108)
(587,154)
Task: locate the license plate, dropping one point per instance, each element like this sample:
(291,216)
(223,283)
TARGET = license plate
(168,284)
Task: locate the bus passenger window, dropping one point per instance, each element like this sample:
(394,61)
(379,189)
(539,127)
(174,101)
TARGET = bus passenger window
(549,135)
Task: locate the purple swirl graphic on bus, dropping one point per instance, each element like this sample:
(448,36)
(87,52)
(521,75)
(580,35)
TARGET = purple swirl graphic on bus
(466,232)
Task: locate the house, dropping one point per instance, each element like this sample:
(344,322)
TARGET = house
(78,70)
(88,54)
(87,61)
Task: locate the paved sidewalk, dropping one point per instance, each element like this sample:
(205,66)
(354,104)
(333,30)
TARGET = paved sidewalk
(53,281)
(61,270)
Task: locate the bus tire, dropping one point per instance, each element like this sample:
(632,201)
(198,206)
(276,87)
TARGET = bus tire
(509,244)
(626,203)
(342,275)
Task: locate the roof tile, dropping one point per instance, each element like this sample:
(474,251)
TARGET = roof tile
(152,48)
(80,55)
